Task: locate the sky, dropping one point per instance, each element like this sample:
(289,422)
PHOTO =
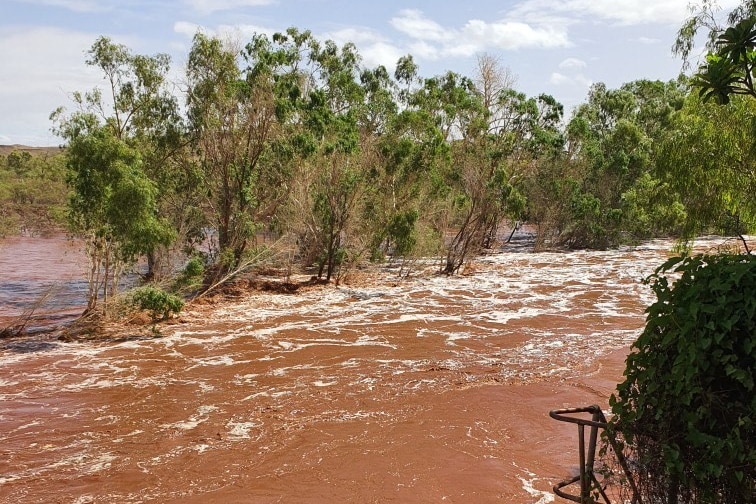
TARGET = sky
(558,47)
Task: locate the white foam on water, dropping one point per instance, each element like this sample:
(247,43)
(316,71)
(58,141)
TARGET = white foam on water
(247,379)
(544,497)
(206,387)
(26,426)
(240,430)
(201,448)
(216,360)
(202,415)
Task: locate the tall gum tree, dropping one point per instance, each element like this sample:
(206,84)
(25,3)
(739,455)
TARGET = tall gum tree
(712,157)
(232,116)
(113,203)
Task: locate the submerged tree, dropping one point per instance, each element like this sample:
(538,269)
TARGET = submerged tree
(113,203)
(232,116)
(604,189)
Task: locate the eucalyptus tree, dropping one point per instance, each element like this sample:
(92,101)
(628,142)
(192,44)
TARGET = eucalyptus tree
(330,116)
(233,121)
(520,131)
(606,188)
(400,150)
(319,104)
(711,160)
(451,105)
(113,205)
(493,134)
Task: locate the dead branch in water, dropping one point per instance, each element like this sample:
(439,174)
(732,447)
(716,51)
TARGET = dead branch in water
(275,250)
(18,325)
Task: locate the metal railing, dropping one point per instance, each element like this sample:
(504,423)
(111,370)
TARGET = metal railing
(591,488)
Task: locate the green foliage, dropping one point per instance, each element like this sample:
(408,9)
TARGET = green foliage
(708,160)
(33,192)
(687,408)
(294,134)
(605,191)
(155,300)
(729,70)
(401,232)
(192,276)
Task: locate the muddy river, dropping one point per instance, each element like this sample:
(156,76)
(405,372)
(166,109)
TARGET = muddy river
(423,390)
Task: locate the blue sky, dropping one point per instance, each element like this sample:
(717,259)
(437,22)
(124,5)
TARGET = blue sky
(559,47)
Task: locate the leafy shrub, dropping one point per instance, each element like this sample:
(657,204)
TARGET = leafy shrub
(687,408)
(159,303)
(192,276)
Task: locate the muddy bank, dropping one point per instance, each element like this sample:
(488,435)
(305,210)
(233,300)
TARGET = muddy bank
(431,389)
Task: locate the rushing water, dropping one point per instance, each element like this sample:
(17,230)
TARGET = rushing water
(429,389)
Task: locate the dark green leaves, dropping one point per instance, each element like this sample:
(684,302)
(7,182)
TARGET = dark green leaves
(729,69)
(688,402)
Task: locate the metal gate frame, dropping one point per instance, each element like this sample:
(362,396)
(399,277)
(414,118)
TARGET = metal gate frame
(587,478)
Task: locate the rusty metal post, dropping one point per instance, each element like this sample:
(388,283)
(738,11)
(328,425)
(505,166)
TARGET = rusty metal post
(587,458)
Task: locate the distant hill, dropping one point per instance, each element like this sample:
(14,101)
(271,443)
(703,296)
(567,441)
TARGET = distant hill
(7,149)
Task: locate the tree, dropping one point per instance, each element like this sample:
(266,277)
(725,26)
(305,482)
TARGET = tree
(704,15)
(729,69)
(687,406)
(606,186)
(232,116)
(113,205)
(398,151)
(453,107)
(330,114)
(709,161)
(712,152)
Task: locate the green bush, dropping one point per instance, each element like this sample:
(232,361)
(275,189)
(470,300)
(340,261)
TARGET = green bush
(687,408)
(159,303)
(191,277)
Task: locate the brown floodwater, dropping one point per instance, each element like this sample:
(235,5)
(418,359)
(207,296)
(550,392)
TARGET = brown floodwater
(42,281)
(423,390)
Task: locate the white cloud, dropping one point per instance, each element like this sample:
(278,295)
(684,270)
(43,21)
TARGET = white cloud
(572,64)
(374,48)
(421,49)
(514,35)
(648,40)
(576,80)
(434,41)
(39,78)
(413,22)
(188,29)
(237,34)
(209,6)
(558,79)
(623,12)
(381,53)
(355,35)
